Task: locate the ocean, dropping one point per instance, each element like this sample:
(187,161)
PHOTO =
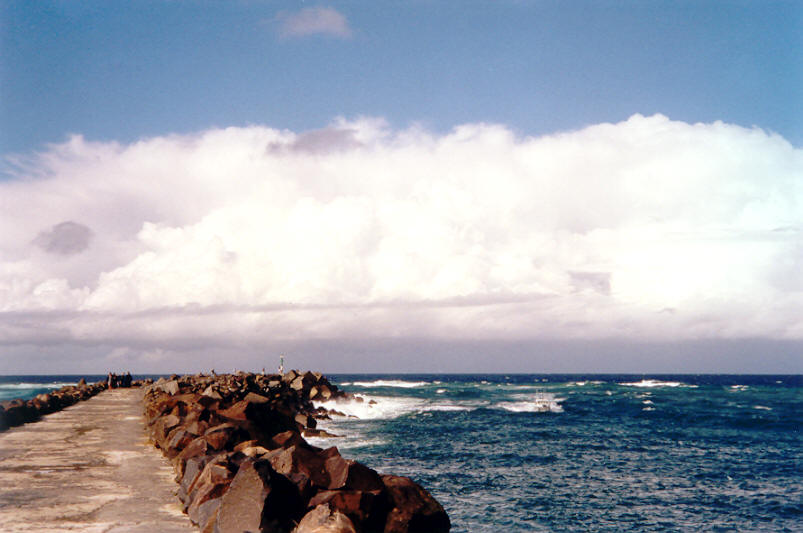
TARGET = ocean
(576,452)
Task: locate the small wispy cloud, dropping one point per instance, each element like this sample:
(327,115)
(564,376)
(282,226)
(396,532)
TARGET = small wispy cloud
(313,21)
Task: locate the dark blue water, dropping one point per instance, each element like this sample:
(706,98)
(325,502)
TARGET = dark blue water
(611,453)
(577,453)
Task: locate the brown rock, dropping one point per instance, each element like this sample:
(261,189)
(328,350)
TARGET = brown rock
(193,467)
(253,397)
(259,499)
(414,509)
(300,460)
(286,439)
(348,474)
(322,519)
(226,436)
(366,509)
(206,515)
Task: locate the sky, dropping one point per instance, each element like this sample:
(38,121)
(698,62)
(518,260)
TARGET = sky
(511,186)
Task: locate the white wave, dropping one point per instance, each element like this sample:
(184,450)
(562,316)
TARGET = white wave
(344,443)
(440,391)
(762,407)
(384,407)
(448,407)
(390,383)
(739,387)
(647,402)
(648,409)
(657,383)
(23,386)
(580,383)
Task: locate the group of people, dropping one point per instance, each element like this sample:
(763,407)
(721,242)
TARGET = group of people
(116,381)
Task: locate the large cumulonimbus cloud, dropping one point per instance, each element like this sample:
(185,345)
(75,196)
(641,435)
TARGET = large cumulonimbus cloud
(647,229)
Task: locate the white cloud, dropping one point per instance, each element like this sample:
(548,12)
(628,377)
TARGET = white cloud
(313,21)
(648,229)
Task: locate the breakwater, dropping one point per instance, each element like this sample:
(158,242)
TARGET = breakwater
(242,464)
(17,412)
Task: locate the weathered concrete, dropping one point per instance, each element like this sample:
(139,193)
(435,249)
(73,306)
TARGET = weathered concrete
(88,468)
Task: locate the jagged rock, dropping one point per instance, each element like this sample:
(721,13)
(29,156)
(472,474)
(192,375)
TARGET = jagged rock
(305,421)
(287,439)
(309,432)
(177,440)
(193,467)
(253,397)
(300,460)
(414,509)
(206,515)
(348,474)
(210,392)
(322,519)
(259,499)
(170,387)
(211,483)
(225,436)
(366,508)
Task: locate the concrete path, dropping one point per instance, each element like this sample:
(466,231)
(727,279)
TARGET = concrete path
(88,468)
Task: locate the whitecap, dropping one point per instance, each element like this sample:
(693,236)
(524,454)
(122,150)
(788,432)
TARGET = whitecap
(762,407)
(447,407)
(22,386)
(440,391)
(656,383)
(390,383)
(384,407)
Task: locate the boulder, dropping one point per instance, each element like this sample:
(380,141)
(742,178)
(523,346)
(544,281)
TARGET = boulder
(225,436)
(366,509)
(322,519)
(349,474)
(170,387)
(259,500)
(211,483)
(193,467)
(300,460)
(205,515)
(414,509)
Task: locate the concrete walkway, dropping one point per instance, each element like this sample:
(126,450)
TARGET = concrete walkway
(88,468)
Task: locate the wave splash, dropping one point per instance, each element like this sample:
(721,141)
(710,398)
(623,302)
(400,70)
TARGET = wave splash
(388,383)
(650,383)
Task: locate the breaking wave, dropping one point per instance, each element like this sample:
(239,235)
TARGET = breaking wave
(649,383)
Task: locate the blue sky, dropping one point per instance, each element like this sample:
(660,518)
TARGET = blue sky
(126,70)
(532,186)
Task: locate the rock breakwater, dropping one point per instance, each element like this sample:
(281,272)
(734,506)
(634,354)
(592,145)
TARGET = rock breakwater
(242,464)
(18,412)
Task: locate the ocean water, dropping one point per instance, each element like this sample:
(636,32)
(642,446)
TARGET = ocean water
(587,453)
(575,452)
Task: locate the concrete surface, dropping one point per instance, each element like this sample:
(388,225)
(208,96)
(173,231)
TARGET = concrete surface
(88,468)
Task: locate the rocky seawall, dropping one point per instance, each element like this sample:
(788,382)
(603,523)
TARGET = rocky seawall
(242,464)
(18,412)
